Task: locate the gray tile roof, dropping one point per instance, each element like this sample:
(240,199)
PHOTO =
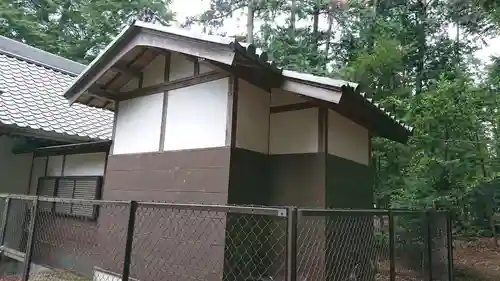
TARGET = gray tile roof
(32,83)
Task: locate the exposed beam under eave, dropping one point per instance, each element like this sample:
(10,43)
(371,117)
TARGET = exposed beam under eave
(312,91)
(29,132)
(260,78)
(103,93)
(172,85)
(99,72)
(128,70)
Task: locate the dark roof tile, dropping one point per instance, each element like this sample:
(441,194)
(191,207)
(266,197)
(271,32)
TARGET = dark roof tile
(32,98)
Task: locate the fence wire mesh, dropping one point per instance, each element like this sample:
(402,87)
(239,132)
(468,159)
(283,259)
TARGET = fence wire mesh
(350,245)
(11,262)
(177,244)
(17,225)
(66,239)
(69,237)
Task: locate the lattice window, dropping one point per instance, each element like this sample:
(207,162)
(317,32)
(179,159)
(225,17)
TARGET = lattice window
(83,187)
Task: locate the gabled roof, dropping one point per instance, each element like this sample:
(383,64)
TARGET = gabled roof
(135,52)
(32,82)
(137,45)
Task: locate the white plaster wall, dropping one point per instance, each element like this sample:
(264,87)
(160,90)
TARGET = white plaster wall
(180,67)
(204,68)
(39,164)
(131,85)
(154,72)
(89,164)
(55,165)
(252,130)
(196,116)
(294,132)
(347,139)
(280,97)
(14,168)
(138,125)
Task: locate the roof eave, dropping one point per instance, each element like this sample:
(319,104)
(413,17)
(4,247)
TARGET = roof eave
(123,43)
(77,88)
(74,148)
(385,125)
(42,134)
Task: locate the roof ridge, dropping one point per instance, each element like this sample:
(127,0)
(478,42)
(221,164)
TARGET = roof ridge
(37,56)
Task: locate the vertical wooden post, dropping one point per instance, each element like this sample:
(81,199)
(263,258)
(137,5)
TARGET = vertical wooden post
(31,240)
(291,248)
(392,247)
(449,245)
(429,244)
(5,217)
(129,240)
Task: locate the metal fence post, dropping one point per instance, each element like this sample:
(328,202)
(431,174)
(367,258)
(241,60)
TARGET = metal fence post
(5,217)
(392,247)
(429,244)
(129,240)
(449,244)
(291,246)
(31,240)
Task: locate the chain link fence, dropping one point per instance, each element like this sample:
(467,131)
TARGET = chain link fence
(67,239)
(345,245)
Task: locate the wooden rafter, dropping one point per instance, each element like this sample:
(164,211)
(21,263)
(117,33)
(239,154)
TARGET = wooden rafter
(128,65)
(172,85)
(127,69)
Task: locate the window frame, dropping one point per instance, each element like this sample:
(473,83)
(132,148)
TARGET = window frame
(52,209)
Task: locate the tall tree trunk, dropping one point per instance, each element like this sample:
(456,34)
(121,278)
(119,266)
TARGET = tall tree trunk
(457,50)
(373,27)
(316,24)
(481,154)
(421,45)
(329,31)
(292,17)
(250,23)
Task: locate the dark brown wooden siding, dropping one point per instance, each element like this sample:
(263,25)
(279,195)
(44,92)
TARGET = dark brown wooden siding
(248,234)
(184,176)
(349,185)
(66,243)
(173,244)
(299,180)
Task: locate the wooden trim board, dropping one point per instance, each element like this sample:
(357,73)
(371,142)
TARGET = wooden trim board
(166,77)
(173,85)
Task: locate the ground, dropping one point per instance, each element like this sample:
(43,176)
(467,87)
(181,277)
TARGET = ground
(476,260)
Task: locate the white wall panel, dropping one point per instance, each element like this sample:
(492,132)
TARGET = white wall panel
(294,132)
(280,97)
(204,68)
(180,67)
(154,73)
(14,168)
(55,166)
(89,164)
(196,116)
(347,139)
(39,164)
(252,131)
(131,85)
(138,125)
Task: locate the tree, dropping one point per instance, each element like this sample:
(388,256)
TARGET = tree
(404,56)
(75,29)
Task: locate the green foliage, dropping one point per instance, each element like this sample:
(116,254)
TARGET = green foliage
(75,29)
(406,57)
(413,57)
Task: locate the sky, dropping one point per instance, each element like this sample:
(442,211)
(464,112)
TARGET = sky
(235,26)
